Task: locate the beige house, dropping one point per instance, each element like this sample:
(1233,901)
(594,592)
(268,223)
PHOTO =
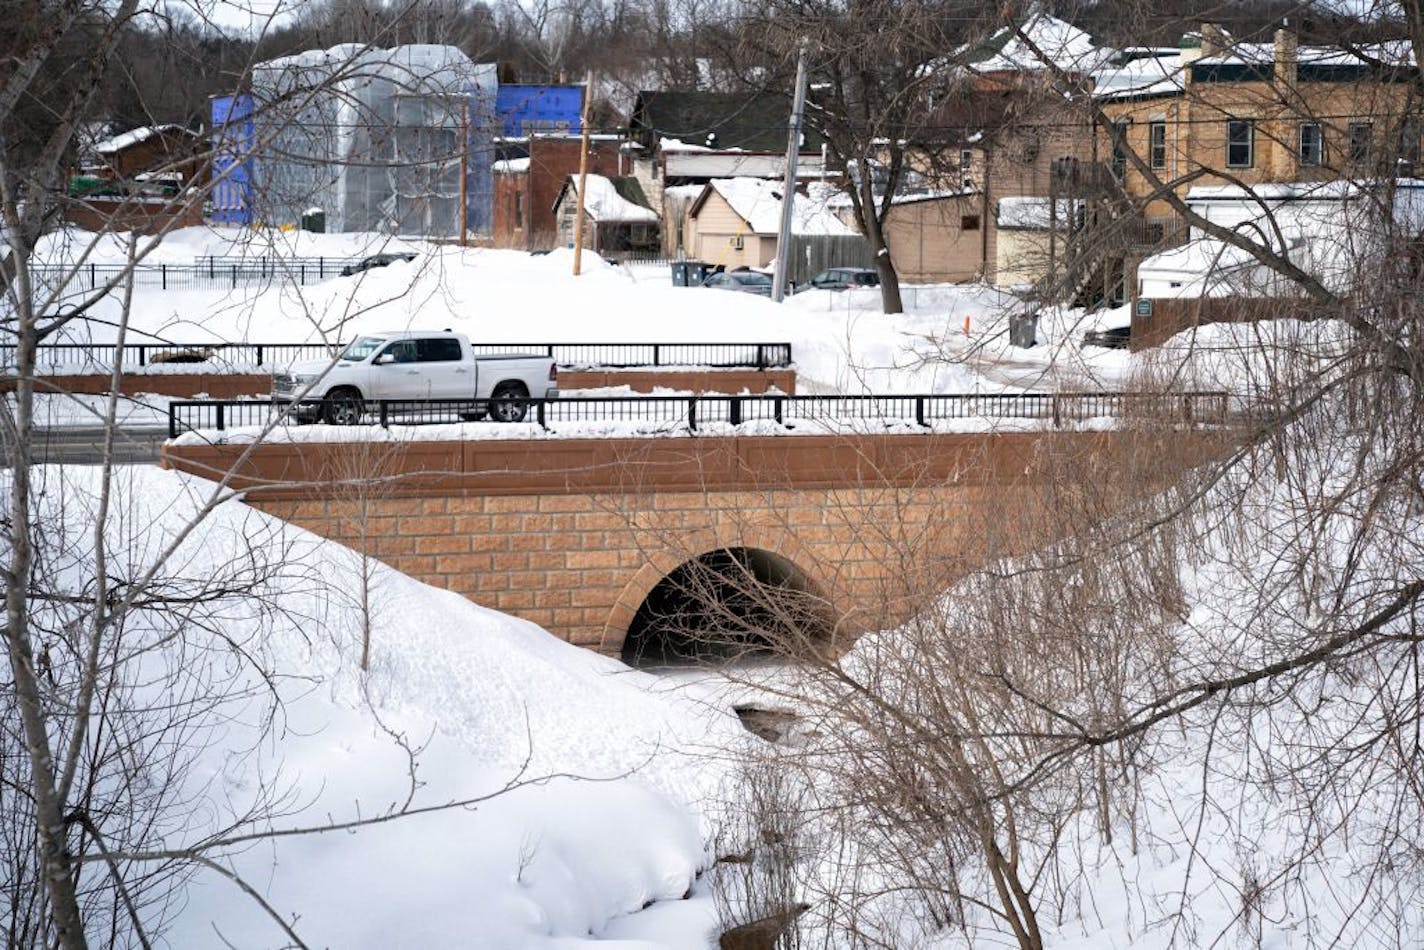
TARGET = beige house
(734,222)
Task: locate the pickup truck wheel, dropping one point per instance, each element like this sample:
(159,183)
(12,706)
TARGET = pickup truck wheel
(342,407)
(503,408)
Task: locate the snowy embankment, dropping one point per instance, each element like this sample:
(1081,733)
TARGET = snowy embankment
(951,338)
(286,727)
(841,342)
(1272,622)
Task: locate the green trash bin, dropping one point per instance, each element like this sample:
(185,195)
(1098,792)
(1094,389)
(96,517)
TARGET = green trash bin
(314,220)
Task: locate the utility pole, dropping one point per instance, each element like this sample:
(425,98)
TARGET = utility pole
(583,174)
(464,171)
(788,185)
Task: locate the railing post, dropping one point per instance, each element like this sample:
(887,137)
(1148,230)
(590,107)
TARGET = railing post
(539,413)
(142,355)
(232,270)
(657,354)
(920,411)
(761,357)
(259,354)
(383,409)
(1057,416)
(692,413)
(734,413)
(163,276)
(173,420)
(222,418)
(779,401)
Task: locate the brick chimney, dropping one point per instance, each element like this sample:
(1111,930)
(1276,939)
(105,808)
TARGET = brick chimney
(1287,47)
(1213,40)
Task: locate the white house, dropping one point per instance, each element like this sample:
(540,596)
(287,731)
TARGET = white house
(1324,228)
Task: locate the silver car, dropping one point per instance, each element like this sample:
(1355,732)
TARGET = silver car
(746,281)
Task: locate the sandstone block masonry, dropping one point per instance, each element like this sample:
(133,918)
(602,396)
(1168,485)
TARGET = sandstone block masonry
(574,534)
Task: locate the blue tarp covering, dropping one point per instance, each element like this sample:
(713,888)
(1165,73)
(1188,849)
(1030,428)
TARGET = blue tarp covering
(525,109)
(233,140)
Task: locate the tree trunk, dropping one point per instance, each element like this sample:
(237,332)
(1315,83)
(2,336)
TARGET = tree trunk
(884,266)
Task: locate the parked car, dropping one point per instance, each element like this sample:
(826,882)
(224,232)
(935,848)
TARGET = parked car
(746,281)
(417,364)
(376,260)
(842,278)
(1113,337)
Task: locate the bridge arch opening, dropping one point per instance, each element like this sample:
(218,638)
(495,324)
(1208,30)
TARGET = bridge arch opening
(725,605)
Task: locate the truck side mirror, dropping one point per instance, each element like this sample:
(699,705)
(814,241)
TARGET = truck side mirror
(385,358)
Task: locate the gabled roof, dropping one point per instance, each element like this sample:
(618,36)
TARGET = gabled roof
(1068,47)
(754,122)
(758,203)
(142,134)
(611,200)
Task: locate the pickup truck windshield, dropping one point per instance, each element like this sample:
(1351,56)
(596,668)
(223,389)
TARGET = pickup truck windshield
(362,348)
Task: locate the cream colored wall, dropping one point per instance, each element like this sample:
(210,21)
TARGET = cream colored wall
(1021,256)
(713,230)
(927,243)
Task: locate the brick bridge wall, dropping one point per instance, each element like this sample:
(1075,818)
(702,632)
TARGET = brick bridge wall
(574,534)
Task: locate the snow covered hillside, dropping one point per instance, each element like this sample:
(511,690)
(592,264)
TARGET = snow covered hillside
(249,716)
(1191,724)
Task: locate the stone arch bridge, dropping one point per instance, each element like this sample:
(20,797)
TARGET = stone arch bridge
(577,535)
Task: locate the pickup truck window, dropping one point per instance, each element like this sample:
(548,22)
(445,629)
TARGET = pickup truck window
(439,350)
(401,351)
(362,348)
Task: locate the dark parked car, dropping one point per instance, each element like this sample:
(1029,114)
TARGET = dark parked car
(747,281)
(1114,337)
(843,278)
(376,260)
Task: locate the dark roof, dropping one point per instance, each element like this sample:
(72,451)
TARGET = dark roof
(752,121)
(629,190)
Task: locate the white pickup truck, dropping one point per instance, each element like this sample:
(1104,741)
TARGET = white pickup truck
(417,364)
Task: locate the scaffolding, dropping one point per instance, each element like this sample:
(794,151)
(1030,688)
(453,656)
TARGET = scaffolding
(378,139)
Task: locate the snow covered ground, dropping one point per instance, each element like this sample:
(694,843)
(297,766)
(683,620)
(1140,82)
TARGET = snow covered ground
(486,698)
(841,342)
(610,850)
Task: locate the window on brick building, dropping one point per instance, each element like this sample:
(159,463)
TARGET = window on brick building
(1240,143)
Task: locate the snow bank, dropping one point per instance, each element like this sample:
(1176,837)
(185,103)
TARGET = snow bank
(485,697)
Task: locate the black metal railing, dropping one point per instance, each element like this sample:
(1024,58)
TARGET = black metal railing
(699,413)
(208,272)
(101,356)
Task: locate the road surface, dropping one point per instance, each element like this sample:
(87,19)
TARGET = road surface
(84,445)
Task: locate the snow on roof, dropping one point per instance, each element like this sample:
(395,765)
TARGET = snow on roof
(910,197)
(603,203)
(132,137)
(1396,52)
(1151,76)
(1029,212)
(758,202)
(1197,257)
(511,166)
(1068,48)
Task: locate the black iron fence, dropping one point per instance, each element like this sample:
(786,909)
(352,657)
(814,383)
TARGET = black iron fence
(207,273)
(102,356)
(699,412)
